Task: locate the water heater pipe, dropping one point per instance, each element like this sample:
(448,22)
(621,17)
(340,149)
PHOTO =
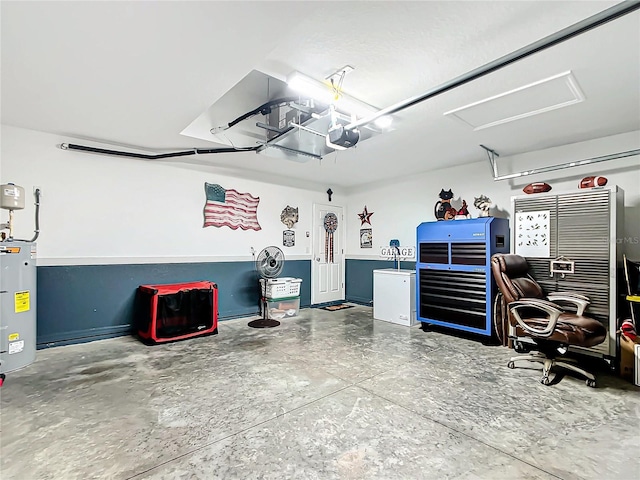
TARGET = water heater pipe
(37,230)
(10,225)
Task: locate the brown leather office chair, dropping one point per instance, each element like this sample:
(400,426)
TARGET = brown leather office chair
(536,315)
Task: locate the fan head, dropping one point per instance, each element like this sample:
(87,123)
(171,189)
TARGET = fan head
(270,262)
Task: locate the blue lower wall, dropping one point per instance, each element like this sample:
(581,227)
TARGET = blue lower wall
(359,278)
(82,303)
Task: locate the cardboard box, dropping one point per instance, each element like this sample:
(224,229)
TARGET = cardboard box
(629,358)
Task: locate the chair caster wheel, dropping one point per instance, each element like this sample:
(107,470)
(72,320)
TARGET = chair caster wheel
(591,383)
(511,364)
(520,347)
(545,381)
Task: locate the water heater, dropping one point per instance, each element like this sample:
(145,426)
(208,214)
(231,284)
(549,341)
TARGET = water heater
(17,305)
(17,288)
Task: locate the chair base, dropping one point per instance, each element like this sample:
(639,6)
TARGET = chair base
(549,363)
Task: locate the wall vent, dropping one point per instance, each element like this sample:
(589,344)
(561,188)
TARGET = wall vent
(542,96)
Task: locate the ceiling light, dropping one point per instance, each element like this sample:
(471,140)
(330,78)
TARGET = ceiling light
(310,88)
(324,92)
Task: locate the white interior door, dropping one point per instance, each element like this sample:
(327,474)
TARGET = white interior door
(327,264)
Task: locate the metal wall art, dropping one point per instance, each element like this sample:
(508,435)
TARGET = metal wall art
(289,216)
(288,238)
(329,193)
(365,216)
(366,238)
(230,208)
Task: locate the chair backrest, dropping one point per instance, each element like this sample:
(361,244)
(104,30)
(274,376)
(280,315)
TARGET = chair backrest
(511,275)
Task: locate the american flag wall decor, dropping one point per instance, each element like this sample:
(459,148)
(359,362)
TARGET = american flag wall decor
(230,208)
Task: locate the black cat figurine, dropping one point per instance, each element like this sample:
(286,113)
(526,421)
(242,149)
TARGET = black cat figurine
(443,209)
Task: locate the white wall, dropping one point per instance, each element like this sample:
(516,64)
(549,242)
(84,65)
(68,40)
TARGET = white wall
(401,206)
(100,209)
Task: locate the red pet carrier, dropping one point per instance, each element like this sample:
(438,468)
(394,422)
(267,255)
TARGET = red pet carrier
(177,311)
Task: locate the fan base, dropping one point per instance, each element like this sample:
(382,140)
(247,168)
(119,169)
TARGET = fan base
(264,323)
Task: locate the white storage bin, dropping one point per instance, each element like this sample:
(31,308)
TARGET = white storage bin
(280,287)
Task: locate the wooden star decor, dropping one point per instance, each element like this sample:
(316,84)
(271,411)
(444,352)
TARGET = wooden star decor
(365,216)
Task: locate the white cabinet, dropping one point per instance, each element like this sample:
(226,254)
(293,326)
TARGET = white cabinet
(394,296)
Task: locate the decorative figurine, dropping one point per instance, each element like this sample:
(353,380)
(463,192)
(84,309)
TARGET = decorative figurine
(482,203)
(443,209)
(463,213)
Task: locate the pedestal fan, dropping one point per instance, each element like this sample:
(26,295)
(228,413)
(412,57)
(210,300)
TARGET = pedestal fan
(269,264)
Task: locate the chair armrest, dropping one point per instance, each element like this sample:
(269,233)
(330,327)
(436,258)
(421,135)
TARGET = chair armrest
(571,294)
(550,308)
(580,301)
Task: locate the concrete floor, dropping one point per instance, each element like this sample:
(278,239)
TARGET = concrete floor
(327,395)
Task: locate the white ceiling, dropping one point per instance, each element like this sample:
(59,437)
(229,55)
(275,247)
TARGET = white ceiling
(136,74)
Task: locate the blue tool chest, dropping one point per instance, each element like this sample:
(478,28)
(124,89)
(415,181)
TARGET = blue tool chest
(453,272)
